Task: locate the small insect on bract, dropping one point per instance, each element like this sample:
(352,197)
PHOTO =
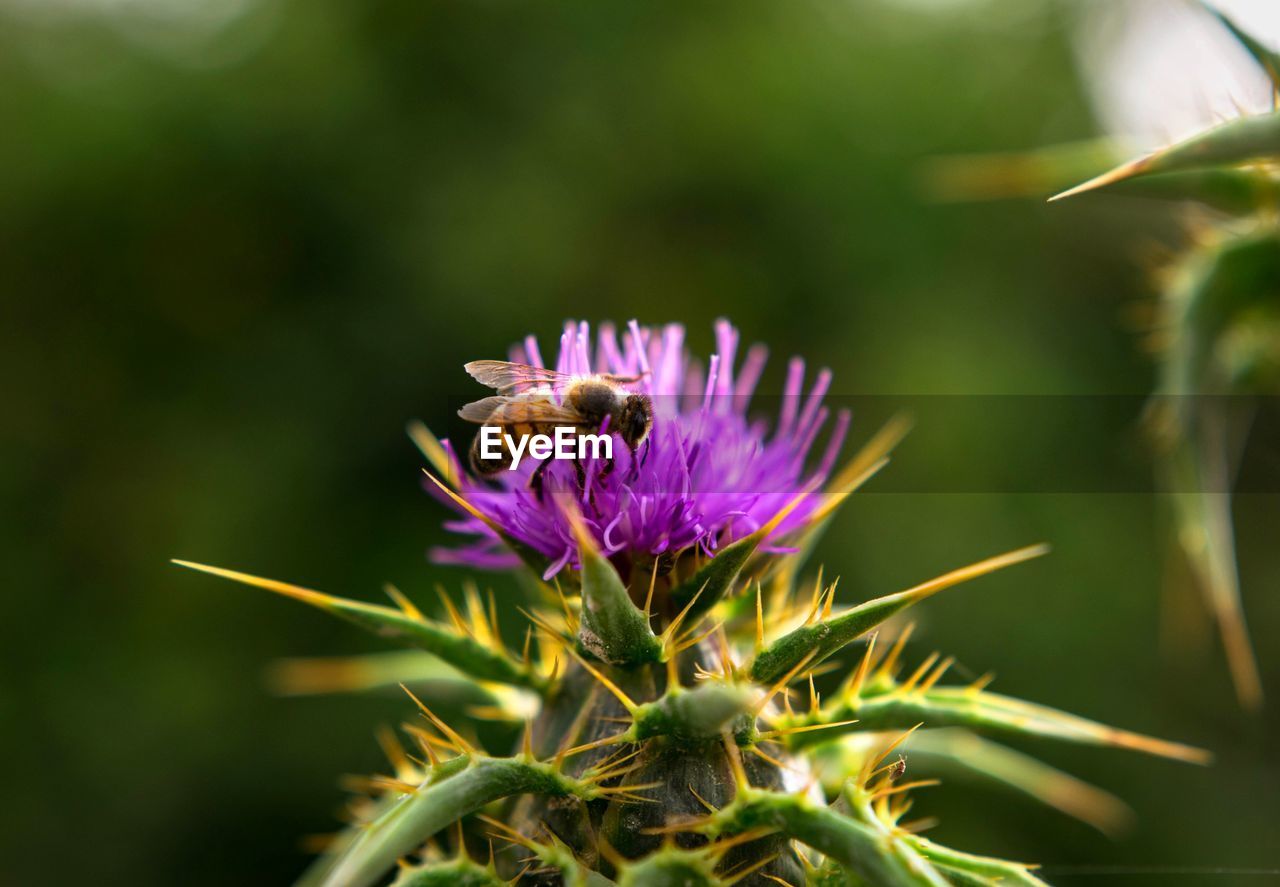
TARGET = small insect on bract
(526,404)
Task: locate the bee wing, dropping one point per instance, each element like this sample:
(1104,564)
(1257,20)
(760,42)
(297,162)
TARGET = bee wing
(510,378)
(504,410)
(483,410)
(615,379)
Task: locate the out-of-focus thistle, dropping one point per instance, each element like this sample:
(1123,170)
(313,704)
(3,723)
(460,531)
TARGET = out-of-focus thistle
(1216,329)
(666,726)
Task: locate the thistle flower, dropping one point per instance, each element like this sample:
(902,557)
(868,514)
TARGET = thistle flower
(662,735)
(708,475)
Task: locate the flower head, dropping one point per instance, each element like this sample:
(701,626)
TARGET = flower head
(706,476)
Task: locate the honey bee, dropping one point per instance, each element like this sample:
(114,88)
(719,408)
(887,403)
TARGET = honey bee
(524,406)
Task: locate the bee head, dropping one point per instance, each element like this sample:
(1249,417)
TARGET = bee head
(635,420)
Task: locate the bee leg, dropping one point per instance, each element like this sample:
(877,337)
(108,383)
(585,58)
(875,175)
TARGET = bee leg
(606,469)
(535,479)
(637,464)
(582,480)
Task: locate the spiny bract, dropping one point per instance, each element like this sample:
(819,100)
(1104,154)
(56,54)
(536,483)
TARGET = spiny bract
(673,733)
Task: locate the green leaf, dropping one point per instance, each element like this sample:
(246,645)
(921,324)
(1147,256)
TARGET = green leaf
(1224,286)
(319,868)
(713,580)
(966,868)
(1047,170)
(671,867)
(869,852)
(1231,190)
(959,868)
(304,676)
(440,801)
(827,636)
(700,713)
(1256,137)
(613,628)
(461,872)
(1218,286)
(1195,466)
(313,675)
(960,755)
(402,626)
(964,754)
(903,707)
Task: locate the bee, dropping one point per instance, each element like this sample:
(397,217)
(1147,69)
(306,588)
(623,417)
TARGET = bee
(524,405)
(899,769)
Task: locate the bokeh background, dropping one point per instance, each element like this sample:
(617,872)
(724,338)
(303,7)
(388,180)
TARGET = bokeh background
(242,242)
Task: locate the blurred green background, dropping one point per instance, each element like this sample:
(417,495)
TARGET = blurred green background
(242,243)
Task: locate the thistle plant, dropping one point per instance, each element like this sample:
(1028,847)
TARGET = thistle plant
(1215,324)
(666,726)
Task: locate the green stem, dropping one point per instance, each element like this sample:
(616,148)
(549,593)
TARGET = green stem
(433,806)
(700,713)
(881,858)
